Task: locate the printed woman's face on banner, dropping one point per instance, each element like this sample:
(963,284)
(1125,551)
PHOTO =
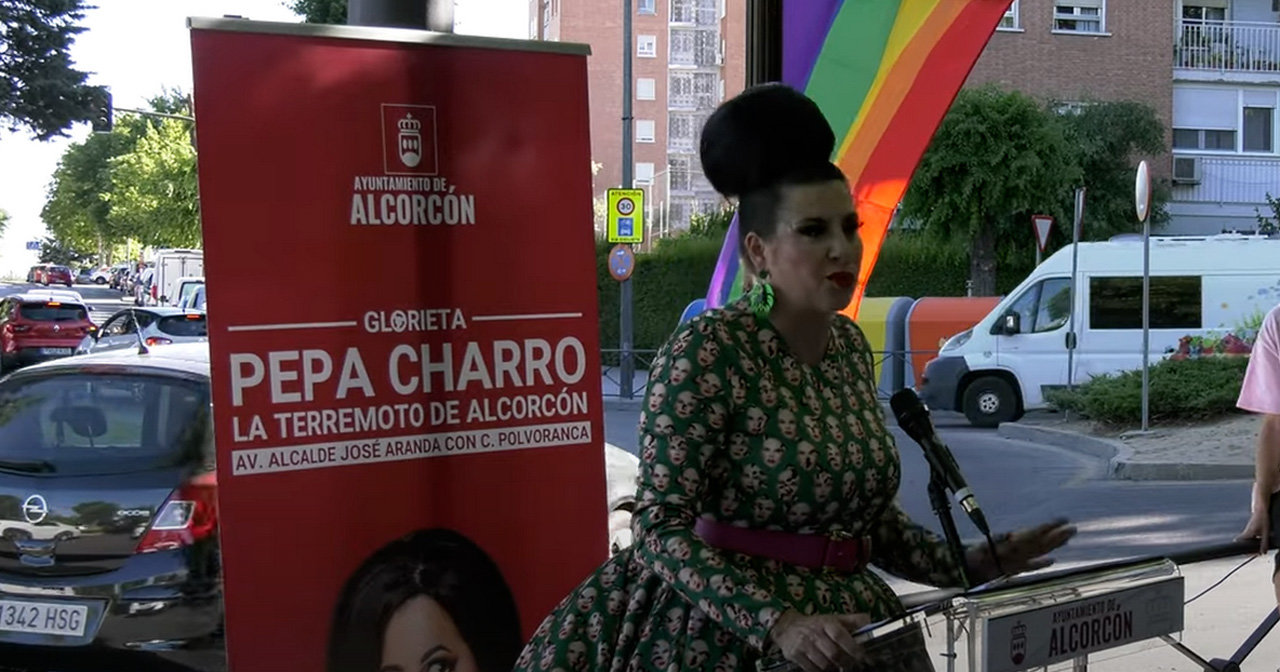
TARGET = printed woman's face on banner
(421,637)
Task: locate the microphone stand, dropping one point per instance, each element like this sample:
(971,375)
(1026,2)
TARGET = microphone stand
(942,508)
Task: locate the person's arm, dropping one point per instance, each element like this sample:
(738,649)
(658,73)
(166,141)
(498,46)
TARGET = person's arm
(682,435)
(910,551)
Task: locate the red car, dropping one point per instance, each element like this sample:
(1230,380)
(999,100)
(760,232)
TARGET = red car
(56,275)
(38,326)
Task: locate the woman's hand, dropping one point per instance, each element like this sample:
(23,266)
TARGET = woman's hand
(1021,551)
(822,643)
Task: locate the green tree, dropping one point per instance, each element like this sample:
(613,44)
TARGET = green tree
(154,194)
(77,210)
(320,11)
(40,89)
(1108,138)
(4,221)
(997,158)
(55,251)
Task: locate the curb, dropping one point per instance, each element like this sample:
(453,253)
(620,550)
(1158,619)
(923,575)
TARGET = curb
(1118,456)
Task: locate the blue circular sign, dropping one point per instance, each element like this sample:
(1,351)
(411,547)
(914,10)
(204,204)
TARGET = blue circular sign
(622,261)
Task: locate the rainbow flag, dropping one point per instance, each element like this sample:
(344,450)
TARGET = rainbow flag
(884,72)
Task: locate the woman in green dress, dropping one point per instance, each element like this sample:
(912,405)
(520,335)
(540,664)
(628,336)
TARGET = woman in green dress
(768,478)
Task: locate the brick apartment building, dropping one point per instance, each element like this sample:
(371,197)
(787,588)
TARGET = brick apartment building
(688,55)
(1210,69)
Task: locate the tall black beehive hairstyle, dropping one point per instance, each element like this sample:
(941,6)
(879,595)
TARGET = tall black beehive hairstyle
(767,135)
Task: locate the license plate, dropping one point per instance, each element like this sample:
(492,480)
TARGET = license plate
(43,618)
(55,351)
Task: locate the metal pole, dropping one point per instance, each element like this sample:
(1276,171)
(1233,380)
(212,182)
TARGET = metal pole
(1077,224)
(764,41)
(434,15)
(1039,255)
(1146,320)
(628,366)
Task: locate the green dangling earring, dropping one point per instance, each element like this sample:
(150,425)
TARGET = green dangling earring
(760,297)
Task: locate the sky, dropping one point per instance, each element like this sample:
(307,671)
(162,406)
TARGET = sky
(138,48)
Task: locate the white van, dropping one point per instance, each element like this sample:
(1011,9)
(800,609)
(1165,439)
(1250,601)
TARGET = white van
(1200,286)
(172,266)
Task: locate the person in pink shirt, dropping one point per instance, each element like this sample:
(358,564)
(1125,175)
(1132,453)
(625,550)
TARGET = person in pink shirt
(1260,393)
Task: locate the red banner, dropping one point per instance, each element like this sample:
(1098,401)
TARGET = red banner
(406,379)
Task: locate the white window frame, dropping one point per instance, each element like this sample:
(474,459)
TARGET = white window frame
(1240,136)
(1014,17)
(646,88)
(643,175)
(646,130)
(651,51)
(647,7)
(1101,20)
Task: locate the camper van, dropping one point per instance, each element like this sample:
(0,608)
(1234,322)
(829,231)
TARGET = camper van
(1199,286)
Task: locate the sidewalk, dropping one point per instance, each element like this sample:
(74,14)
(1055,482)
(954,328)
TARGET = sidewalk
(1222,450)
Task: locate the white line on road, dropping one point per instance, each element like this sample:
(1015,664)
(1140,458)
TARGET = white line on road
(532,316)
(299,325)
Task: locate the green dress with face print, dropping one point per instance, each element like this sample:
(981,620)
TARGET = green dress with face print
(736,429)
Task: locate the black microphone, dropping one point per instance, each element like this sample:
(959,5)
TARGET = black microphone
(913,417)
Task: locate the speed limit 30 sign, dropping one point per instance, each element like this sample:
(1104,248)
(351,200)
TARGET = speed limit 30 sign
(626,222)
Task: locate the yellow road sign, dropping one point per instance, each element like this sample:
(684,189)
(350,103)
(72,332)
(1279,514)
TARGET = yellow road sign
(626,216)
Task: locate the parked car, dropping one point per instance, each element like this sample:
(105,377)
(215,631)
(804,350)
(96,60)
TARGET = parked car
(195,300)
(35,273)
(84,276)
(39,325)
(155,325)
(185,288)
(119,446)
(54,274)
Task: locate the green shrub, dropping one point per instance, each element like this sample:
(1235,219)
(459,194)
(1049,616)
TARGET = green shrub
(1180,390)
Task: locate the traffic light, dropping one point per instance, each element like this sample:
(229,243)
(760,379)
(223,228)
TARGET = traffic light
(101,112)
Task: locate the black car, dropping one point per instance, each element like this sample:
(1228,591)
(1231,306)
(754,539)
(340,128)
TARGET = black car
(108,518)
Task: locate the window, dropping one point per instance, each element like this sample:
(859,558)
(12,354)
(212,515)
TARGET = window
(644,173)
(680,172)
(1010,19)
(644,130)
(1204,11)
(646,89)
(1079,16)
(692,90)
(1258,129)
(1208,139)
(1116,302)
(647,6)
(646,46)
(1044,307)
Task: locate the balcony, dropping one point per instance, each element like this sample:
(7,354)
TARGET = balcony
(1231,180)
(1227,50)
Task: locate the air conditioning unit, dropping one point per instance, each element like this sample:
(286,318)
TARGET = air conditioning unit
(1186,169)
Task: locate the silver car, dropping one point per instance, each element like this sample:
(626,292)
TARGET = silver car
(150,326)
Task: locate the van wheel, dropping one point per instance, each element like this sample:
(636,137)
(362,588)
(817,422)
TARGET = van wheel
(989,401)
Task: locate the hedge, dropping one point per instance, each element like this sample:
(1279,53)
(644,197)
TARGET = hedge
(679,271)
(1180,391)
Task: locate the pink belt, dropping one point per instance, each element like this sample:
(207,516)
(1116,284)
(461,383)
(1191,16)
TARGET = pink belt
(836,551)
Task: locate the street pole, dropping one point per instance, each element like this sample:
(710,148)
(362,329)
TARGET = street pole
(1142,204)
(627,365)
(434,15)
(1077,223)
